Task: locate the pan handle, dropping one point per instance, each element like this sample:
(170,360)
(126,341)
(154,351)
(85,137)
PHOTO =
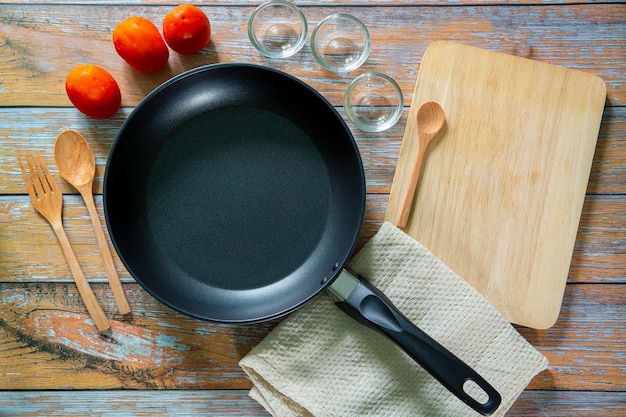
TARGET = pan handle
(369,306)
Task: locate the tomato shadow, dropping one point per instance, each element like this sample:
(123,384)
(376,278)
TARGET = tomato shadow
(177,63)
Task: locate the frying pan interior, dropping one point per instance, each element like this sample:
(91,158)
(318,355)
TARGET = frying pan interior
(234,193)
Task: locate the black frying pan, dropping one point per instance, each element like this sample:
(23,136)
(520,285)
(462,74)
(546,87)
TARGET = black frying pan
(235,193)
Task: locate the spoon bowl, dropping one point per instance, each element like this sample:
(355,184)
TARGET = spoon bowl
(430,120)
(77,164)
(74,159)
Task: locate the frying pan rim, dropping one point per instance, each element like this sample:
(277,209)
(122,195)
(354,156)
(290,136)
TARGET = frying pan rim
(346,135)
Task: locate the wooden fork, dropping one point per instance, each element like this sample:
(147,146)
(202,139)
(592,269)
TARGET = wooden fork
(47,199)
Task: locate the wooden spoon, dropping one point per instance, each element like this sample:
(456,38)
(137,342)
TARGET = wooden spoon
(430,120)
(77,165)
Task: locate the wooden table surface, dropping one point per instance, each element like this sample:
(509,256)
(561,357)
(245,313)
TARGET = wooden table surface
(159,362)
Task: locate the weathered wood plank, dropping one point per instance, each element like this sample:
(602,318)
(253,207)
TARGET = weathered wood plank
(568,404)
(44,125)
(585,37)
(30,250)
(602,226)
(588,342)
(31,253)
(48,342)
(608,170)
(303,3)
(378,150)
(229,403)
(45,342)
(222,403)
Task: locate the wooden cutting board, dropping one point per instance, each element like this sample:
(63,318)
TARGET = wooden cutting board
(502,187)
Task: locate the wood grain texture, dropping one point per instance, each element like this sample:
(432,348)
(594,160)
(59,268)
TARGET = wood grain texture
(44,124)
(56,347)
(158,362)
(582,348)
(581,37)
(27,241)
(352,3)
(504,183)
(223,403)
(608,170)
(237,403)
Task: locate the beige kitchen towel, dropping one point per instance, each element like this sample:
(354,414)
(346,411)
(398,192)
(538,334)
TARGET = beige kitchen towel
(321,362)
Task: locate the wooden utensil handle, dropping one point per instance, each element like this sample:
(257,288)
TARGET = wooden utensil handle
(109,265)
(406,199)
(89,298)
(401,198)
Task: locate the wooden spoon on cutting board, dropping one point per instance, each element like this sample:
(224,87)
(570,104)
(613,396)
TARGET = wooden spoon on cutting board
(430,120)
(76,163)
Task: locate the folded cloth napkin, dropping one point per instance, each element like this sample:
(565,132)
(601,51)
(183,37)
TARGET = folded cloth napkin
(321,362)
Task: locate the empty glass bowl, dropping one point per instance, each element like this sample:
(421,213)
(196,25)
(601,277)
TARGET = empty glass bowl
(340,43)
(373,102)
(277,29)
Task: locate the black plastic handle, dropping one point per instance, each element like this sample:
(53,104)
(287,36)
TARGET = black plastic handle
(371,307)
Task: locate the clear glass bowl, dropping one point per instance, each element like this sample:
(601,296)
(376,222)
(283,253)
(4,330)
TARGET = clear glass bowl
(340,43)
(277,29)
(373,102)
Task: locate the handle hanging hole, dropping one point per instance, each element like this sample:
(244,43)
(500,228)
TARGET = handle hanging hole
(474,390)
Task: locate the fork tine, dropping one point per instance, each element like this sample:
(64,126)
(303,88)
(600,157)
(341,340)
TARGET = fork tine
(27,180)
(49,178)
(41,176)
(34,176)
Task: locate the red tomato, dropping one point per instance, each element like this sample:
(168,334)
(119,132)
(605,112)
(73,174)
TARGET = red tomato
(93,91)
(140,44)
(186,29)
